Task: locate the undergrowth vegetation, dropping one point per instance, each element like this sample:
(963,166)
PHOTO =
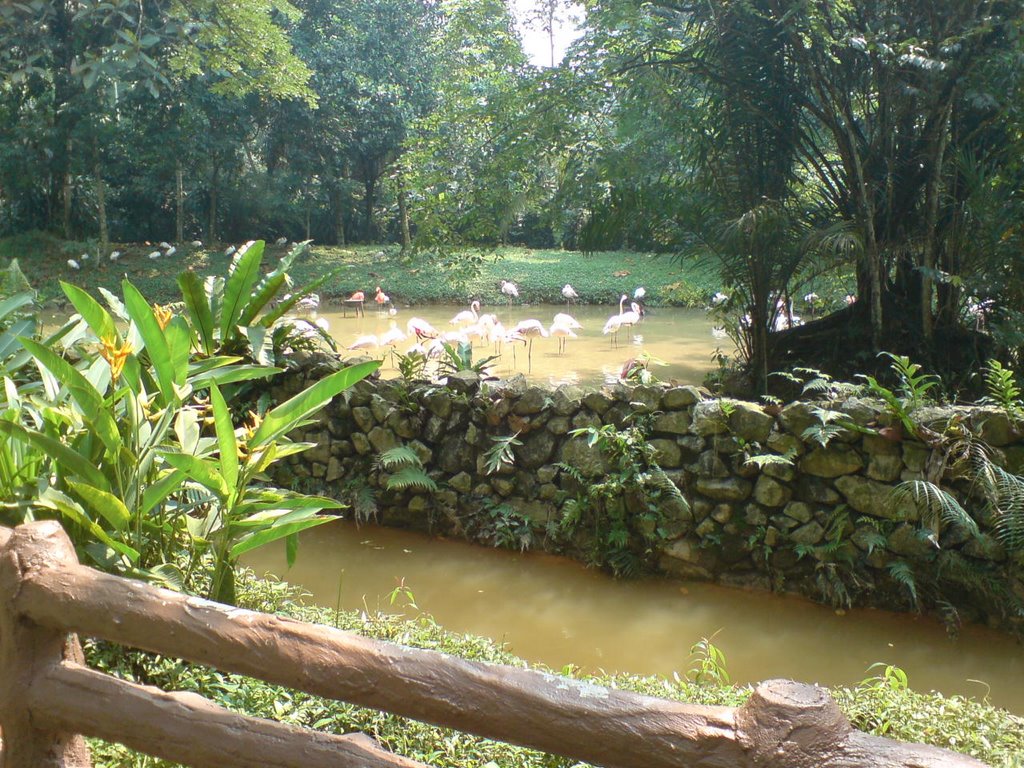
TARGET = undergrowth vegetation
(881,704)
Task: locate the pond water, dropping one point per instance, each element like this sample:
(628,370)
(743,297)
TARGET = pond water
(556,612)
(682,338)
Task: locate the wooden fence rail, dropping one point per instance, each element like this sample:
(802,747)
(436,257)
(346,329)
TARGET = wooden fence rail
(48,698)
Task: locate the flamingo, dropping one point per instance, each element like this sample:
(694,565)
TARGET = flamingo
(381,298)
(165,245)
(357,296)
(631,318)
(640,293)
(365,342)
(530,329)
(567,320)
(170,251)
(569,293)
(467,316)
(308,305)
(196,243)
(155,255)
(510,290)
(719,299)
(391,337)
(513,337)
(421,329)
(74,264)
(615,322)
(562,332)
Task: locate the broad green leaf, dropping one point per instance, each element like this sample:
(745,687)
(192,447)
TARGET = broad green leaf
(281,309)
(53,499)
(284,417)
(260,538)
(89,401)
(107,505)
(156,343)
(232,374)
(267,289)
(14,303)
(177,335)
(68,460)
(198,305)
(99,320)
(202,472)
(291,549)
(160,490)
(225,438)
(238,288)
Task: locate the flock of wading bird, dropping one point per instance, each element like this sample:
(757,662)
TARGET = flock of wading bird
(470,326)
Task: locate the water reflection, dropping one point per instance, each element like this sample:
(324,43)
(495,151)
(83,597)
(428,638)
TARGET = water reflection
(681,338)
(556,612)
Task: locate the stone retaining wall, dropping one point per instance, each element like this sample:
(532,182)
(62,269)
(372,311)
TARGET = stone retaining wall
(823,525)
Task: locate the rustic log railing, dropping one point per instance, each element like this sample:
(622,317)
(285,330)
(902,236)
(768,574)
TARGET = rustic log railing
(49,699)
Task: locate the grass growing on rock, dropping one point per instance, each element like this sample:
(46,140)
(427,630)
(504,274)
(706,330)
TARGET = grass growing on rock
(448,277)
(882,704)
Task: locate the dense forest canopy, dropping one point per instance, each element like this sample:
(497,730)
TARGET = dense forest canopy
(777,138)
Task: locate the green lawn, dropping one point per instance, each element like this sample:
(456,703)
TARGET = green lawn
(423,278)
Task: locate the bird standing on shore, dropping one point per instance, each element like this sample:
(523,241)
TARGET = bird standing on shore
(510,290)
(569,294)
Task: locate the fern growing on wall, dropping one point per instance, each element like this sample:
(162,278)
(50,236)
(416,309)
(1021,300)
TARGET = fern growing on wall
(405,470)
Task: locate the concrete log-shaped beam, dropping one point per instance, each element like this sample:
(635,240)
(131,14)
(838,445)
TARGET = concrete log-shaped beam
(794,725)
(779,727)
(187,728)
(27,650)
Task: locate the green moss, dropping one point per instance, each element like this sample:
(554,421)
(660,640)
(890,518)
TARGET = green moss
(877,706)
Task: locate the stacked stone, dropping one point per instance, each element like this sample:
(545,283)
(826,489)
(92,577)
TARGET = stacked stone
(747,524)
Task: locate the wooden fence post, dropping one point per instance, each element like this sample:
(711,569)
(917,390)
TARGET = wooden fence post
(27,650)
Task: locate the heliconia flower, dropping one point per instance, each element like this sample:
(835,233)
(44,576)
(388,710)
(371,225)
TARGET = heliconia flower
(115,356)
(163,315)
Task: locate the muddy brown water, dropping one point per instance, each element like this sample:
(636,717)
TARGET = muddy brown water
(556,612)
(681,338)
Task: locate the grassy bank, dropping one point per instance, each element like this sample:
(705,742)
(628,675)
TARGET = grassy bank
(881,705)
(423,278)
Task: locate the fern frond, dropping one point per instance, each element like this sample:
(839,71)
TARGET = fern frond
(763,460)
(934,504)
(398,457)
(1005,492)
(903,574)
(411,478)
(664,483)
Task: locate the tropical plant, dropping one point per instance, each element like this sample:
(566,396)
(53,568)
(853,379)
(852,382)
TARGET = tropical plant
(128,467)
(502,453)
(460,358)
(1002,389)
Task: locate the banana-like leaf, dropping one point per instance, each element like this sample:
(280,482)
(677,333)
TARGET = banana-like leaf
(177,335)
(89,400)
(225,439)
(98,319)
(69,461)
(202,472)
(279,311)
(198,305)
(106,505)
(288,414)
(54,500)
(14,303)
(265,536)
(160,490)
(232,374)
(154,339)
(238,288)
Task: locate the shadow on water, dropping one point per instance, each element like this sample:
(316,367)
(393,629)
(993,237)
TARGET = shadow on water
(554,611)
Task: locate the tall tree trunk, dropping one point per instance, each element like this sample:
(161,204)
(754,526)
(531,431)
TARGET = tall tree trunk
(308,207)
(403,214)
(211,232)
(101,202)
(179,222)
(66,193)
(931,223)
(369,199)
